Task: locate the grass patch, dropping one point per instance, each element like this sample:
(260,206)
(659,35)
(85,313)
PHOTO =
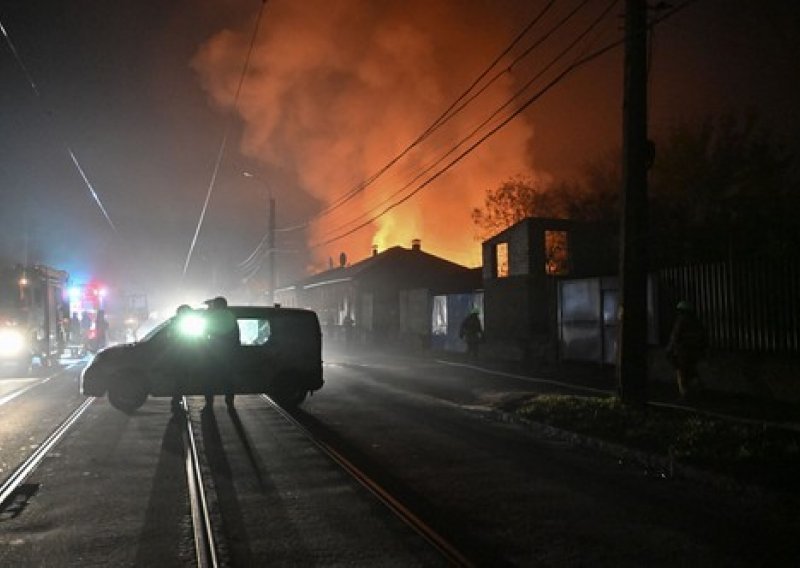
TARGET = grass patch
(754,451)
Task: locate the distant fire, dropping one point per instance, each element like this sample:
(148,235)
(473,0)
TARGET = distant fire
(336,90)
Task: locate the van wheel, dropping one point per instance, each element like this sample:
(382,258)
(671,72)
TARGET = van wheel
(126,392)
(289,398)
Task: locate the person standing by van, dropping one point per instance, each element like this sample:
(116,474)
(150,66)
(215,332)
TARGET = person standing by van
(223,339)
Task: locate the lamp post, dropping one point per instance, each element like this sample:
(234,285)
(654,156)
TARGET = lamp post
(270,236)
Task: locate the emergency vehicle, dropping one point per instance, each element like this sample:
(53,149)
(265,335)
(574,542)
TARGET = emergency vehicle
(33,315)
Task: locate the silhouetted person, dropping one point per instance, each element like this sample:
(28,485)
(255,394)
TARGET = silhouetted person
(687,345)
(101,330)
(471,332)
(223,339)
(62,329)
(349,330)
(74,329)
(86,326)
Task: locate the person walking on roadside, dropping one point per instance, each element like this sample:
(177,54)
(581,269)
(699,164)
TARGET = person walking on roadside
(687,346)
(471,332)
(223,338)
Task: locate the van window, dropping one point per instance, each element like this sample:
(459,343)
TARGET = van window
(254,331)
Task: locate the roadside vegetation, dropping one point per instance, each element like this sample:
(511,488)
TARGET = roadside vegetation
(751,451)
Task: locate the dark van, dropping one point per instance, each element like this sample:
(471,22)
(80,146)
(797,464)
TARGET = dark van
(279,354)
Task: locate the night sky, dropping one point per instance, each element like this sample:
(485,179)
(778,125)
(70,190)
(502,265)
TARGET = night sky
(142,93)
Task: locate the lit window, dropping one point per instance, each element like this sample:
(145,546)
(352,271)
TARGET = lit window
(501,260)
(556,253)
(254,331)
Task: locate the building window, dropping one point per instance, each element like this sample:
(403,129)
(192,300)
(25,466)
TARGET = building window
(501,260)
(556,253)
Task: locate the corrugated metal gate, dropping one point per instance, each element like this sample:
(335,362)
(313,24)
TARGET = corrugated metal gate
(751,305)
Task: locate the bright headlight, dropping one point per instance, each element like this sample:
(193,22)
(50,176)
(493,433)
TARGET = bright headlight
(12,342)
(192,325)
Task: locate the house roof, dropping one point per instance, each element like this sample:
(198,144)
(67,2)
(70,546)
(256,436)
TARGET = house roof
(414,265)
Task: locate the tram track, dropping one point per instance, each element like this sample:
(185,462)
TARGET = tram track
(206,524)
(447,550)
(17,477)
(202,524)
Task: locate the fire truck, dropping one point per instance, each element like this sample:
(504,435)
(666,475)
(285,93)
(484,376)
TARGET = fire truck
(33,314)
(101,315)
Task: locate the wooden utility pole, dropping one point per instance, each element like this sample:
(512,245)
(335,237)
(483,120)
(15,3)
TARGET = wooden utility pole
(272,253)
(632,339)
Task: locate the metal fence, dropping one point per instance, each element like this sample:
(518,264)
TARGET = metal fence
(748,305)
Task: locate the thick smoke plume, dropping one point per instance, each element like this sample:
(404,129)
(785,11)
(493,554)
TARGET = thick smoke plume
(337,89)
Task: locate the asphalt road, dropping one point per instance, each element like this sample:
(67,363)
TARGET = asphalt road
(31,407)
(113,492)
(506,495)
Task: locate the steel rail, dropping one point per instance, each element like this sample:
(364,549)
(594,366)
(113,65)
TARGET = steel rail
(204,543)
(19,475)
(450,552)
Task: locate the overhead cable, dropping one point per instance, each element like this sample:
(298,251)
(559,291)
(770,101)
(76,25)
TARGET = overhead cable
(486,121)
(224,142)
(49,114)
(535,97)
(442,119)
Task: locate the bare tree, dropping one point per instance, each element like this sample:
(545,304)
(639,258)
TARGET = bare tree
(719,188)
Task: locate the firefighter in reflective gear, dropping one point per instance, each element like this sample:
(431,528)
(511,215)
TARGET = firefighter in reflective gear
(471,332)
(687,346)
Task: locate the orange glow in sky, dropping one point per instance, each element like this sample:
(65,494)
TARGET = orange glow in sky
(334,93)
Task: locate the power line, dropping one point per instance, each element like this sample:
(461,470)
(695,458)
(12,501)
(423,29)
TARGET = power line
(575,65)
(22,65)
(224,142)
(482,125)
(259,246)
(49,114)
(452,110)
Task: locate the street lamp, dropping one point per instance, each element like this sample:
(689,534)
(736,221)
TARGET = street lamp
(270,236)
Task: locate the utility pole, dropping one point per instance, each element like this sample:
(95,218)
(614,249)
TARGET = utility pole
(271,252)
(632,339)
(271,244)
